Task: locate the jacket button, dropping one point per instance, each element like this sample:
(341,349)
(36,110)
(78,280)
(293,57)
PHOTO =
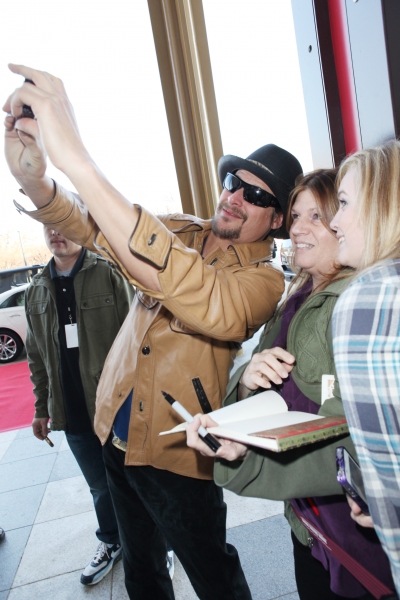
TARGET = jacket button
(152,239)
(146,350)
(107,300)
(85,304)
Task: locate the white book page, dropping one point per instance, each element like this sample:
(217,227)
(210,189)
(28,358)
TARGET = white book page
(263,423)
(265,403)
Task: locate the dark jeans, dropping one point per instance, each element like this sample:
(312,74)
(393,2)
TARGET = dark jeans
(312,579)
(88,452)
(153,505)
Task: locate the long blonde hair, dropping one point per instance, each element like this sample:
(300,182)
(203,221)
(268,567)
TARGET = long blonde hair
(378,200)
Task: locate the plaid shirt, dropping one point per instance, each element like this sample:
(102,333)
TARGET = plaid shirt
(366,342)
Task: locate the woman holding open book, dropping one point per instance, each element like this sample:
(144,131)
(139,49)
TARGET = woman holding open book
(293,354)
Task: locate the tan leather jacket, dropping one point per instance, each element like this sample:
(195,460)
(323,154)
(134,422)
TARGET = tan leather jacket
(191,329)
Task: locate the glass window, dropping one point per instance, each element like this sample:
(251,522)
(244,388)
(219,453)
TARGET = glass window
(22,277)
(104,52)
(14,300)
(20,298)
(257,76)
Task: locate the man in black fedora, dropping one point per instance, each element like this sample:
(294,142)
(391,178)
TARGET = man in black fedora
(203,287)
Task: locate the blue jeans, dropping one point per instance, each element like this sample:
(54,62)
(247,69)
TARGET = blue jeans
(152,506)
(88,452)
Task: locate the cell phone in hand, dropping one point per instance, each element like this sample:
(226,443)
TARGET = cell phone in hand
(27,112)
(350,478)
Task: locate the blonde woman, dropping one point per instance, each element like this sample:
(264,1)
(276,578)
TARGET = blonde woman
(366,332)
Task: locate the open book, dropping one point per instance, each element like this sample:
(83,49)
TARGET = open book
(264,421)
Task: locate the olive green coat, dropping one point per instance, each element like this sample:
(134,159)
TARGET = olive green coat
(103,298)
(309,471)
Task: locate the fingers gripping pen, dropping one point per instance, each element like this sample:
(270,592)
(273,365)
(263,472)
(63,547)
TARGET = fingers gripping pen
(181,410)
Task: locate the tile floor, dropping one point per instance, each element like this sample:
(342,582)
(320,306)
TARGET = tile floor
(47,512)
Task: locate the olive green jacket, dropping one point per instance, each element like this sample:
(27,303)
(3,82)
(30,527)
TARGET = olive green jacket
(103,299)
(309,471)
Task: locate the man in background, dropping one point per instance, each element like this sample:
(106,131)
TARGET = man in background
(75,308)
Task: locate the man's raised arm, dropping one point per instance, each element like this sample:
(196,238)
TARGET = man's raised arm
(55,132)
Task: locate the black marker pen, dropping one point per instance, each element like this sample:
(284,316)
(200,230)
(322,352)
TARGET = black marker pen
(181,410)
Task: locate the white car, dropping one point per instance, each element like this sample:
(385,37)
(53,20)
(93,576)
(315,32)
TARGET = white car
(12,323)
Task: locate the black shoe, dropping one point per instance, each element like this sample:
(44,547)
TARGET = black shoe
(2,534)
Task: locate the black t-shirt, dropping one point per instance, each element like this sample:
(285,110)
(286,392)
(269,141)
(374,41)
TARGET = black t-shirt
(77,416)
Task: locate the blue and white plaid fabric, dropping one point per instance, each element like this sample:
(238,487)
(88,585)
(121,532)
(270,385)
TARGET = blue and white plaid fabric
(366,342)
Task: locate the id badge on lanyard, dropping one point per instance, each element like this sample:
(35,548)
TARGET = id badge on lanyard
(71,334)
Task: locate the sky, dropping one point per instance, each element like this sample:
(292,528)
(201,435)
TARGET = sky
(104,53)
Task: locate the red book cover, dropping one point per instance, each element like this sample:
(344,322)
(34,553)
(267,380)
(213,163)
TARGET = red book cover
(301,428)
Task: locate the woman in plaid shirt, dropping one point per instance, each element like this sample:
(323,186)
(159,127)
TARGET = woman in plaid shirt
(366,332)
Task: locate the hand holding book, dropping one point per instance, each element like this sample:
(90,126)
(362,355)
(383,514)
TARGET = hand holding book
(264,421)
(229,450)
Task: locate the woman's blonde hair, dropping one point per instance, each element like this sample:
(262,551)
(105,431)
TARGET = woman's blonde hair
(378,200)
(321,183)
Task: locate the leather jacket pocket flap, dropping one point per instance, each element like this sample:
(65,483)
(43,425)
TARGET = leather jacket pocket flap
(37,308)
(97,301)
(147,301)
(180,327)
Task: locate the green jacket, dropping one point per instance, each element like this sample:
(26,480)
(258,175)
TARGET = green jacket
(103,299)
(309,471)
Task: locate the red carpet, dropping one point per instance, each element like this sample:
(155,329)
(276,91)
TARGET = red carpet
(16,396)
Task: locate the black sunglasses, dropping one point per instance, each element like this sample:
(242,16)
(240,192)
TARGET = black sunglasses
(251,193)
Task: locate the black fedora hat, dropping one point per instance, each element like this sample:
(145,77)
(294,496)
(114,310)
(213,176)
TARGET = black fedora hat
(273,165)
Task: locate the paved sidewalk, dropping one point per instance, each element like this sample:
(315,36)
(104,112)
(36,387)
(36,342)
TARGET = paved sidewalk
(47,512)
